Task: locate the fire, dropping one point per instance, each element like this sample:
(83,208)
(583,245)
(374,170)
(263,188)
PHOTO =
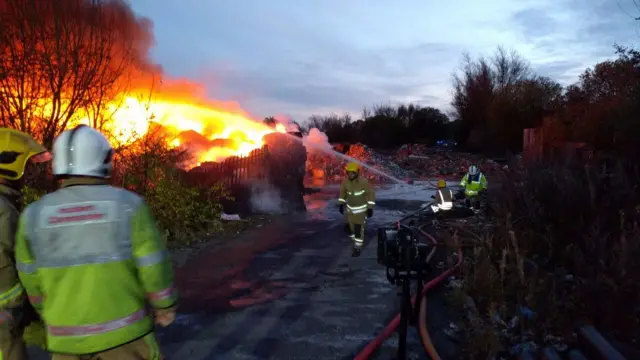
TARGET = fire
(210,131)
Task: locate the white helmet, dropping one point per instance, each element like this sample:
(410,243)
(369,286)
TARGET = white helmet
(82,151)
(473,170)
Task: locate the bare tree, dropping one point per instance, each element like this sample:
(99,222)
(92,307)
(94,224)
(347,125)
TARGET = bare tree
(60,57)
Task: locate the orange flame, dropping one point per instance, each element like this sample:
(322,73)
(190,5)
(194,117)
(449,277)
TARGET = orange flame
(225,129)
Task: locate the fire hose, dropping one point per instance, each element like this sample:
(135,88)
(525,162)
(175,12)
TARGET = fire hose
(425,337)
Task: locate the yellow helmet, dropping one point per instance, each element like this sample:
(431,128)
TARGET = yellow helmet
(354,167)
(16,148)
(441,184)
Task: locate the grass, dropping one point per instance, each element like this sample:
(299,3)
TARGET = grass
(564,247)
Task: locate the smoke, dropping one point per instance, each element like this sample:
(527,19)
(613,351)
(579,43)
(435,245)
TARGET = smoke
(265,198)
(316,140)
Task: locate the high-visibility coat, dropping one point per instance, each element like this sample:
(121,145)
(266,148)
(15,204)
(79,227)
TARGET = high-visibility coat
(444,199)
(11,291)
(90,258)
(357,194)
(474,184)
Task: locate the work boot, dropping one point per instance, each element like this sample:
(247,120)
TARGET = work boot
(356,252)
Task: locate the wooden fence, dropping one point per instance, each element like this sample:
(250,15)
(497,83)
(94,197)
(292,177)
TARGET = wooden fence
(237,169)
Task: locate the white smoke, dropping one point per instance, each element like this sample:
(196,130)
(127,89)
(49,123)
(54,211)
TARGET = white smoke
(265,198)
(316,140)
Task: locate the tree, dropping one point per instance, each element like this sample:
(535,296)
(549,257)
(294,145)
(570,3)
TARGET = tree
(496,98)
(62,57)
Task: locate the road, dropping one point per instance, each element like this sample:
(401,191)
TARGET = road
(287,290)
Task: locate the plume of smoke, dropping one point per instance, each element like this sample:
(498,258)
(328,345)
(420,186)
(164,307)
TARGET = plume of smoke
(265,198)
(315,140)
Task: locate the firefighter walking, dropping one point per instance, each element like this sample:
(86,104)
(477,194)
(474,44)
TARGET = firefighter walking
(92,261)
(359,198)
(16,150)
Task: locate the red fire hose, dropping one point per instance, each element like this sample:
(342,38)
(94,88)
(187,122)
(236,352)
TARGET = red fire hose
(424,333)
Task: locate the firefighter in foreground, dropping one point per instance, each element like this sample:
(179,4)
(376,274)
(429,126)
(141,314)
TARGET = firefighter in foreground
(91,259)
(358,196)
(16,150)
(474,183)
(443,199)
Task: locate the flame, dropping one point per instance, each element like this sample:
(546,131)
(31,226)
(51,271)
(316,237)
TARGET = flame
(225,129)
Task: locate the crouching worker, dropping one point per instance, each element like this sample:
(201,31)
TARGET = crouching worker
(91,259)
(474,182)
(358,196)
(443,199)
(16,150)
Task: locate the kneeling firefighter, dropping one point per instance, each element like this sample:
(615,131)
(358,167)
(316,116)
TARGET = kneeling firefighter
(358,195)
(443,199)
(92,261)
(16,150)
(474,182)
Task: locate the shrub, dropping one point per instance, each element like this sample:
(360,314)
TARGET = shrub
(185,212)
(565,245)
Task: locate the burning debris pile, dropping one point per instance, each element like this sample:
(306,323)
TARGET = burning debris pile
(431,162)
(321,164)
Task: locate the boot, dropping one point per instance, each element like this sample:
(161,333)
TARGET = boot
(356,252)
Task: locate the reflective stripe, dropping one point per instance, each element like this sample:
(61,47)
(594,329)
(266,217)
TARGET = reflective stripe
(371,202)
(151,259)
(11,294)
(359,241)
(161,295)
(359,211)
(26,268)
(95,329)
(352,236)
(357,193)
(342,200)
(356,207)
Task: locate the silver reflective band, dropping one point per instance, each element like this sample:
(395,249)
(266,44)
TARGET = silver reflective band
(94,329)
(151,259)
(371,202)
(26,268)
(342,200)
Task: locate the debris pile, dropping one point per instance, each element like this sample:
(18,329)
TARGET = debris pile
(428,162)
(332,167)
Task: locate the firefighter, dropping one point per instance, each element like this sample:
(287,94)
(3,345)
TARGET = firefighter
(358,196)
(16,150)
(474,182)
(443,199)
(92,261)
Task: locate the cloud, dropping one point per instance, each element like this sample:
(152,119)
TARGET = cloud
(337,56)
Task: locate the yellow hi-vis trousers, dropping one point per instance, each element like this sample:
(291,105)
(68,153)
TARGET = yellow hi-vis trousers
(356,227)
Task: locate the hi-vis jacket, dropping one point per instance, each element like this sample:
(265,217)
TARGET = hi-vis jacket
(444,199)
(11,291)
(474,184)
(90,258)
(357,194)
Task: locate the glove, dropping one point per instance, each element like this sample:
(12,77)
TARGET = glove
(341,209)
(369,213)
(433,196)
(164,317)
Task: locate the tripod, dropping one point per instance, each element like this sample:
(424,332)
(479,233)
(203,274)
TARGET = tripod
(408,311)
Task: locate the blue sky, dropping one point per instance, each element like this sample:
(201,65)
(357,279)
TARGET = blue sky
(320,56)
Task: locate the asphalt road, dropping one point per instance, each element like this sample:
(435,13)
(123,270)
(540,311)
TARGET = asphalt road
(287,290)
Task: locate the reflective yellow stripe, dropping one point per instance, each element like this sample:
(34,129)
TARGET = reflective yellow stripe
(371,202)
(11,295)
(358,193)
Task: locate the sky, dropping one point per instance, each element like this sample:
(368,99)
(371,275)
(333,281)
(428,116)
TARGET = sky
(309,57)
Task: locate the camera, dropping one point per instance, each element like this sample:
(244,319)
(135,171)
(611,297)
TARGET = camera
(400,250)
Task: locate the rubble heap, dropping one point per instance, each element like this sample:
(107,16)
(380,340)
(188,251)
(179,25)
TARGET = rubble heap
(332,167)
(429,162)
